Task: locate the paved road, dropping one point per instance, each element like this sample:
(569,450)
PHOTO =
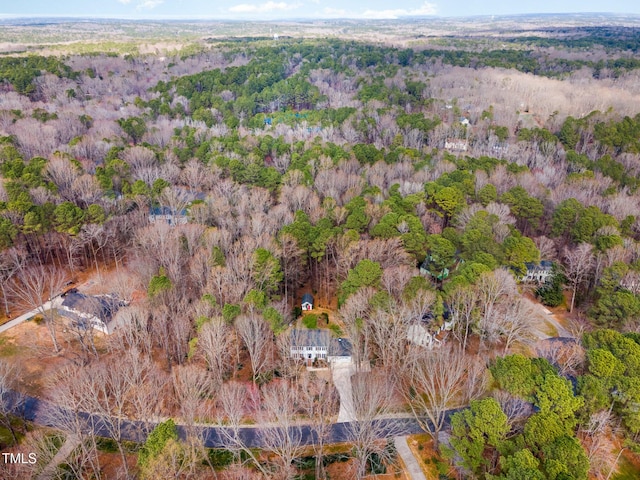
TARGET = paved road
(37,311)
(46,413)
(412,467)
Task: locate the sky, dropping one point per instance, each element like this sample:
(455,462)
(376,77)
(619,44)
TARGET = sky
(308,9)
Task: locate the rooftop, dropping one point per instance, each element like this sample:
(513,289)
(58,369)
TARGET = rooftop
(103,307)
(166,211)
(340,347)
(310,338)
(543,265)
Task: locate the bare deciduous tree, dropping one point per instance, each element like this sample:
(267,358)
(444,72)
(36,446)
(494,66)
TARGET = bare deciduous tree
(97,237)
(438,380)
(10,262)
(568,357)
(258,338)
(388,333)
(320,402)
(599,444)
(493,287)
(516,409)
(372,400)
(283,436)
(145,385)
(215,342)
(35,287)
(107,392)
(43,445)
(578,262)
(394,279)
(191,386)
(354,309)
(134,330)
(513,321)
(234,402)
(463,302)
(72,395)
(171,327)
(10,400)
(292,263)
(289,366)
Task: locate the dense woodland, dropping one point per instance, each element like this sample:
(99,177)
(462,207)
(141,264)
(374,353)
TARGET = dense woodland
(334,167)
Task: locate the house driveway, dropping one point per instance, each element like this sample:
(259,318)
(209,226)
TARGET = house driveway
(342,372)
(546,322)
(56,302)
(411,465)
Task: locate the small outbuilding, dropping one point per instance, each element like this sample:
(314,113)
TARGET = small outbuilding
(307,302)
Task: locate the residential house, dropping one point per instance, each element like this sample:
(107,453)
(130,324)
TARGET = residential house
(90,311)
(420,335)
(340,350)
(538,272)
(167,215)
(456,144)
(310,345)
(307,302)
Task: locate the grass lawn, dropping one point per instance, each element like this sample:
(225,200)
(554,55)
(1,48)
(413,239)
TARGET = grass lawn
(7,348)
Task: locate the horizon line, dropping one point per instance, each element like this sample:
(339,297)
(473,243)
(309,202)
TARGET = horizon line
(19,16)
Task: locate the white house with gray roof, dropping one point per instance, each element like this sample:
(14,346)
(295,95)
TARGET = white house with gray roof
(310,344)
(319,344)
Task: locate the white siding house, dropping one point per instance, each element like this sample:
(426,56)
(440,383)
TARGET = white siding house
(168,216)
(310,345)
(538,273)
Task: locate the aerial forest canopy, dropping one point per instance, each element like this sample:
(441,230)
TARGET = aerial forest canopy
(426,196)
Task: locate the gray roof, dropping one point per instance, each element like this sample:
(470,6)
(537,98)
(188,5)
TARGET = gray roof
(307,298)
(166,211)
(310,338)
(340,347)
(543,266)
(102,307)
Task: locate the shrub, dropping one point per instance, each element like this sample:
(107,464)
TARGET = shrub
(156,441)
